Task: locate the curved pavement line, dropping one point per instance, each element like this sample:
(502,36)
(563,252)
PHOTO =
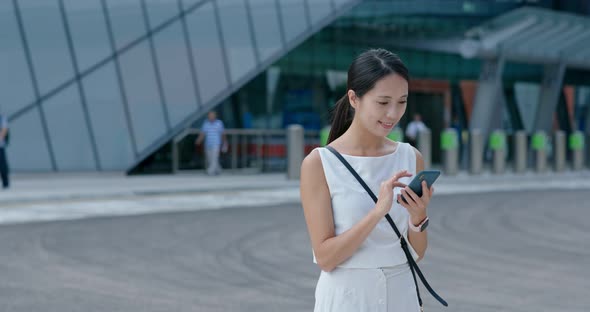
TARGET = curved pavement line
(139,204)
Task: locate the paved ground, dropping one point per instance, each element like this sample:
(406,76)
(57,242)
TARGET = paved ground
(50,197)
(498,251)
(78,242)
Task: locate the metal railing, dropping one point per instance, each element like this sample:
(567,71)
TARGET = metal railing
(255,150)
(261,150)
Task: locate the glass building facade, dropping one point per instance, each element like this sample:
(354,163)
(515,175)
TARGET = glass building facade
(101,84)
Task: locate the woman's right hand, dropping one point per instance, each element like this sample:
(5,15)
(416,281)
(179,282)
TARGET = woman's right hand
(385,198)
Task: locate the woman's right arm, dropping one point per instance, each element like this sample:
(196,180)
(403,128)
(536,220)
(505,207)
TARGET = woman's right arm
(331,250)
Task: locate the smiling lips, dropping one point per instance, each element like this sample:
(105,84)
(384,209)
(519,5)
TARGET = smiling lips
(386,125)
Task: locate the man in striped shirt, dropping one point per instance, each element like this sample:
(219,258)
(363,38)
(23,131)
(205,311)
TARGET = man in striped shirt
(212,132)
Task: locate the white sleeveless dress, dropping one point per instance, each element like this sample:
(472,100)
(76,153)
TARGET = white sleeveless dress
(377,277)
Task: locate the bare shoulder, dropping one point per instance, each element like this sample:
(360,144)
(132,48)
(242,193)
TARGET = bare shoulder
(311,167)
(313,180)
(313,157)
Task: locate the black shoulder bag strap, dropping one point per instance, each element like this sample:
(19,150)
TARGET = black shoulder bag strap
(413,266)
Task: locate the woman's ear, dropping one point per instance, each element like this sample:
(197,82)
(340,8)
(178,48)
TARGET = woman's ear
(352,99)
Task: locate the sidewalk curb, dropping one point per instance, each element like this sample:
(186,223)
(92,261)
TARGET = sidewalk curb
(136,193)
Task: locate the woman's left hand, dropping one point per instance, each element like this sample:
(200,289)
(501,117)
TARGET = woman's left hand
(416,206)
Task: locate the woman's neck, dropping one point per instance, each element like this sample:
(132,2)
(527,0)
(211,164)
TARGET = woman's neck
(361,141)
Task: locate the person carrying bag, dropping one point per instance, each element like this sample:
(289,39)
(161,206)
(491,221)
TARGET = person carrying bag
(364,268)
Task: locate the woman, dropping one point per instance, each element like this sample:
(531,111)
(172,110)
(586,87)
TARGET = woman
(363,266)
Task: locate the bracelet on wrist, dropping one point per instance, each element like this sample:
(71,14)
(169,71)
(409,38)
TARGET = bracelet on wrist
(420,227)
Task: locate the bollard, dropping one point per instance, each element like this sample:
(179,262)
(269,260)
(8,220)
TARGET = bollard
(295,151)
(396,135)
(425,147)
(498,147)
(448,142)
(576,145)
(539,146)
(324,135)
(175,154)
(475,151)
(559,147)
(520,151)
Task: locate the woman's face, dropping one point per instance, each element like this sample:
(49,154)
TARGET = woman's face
(380,109)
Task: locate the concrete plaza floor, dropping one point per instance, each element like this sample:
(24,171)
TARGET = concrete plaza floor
(239,243)
(47,197)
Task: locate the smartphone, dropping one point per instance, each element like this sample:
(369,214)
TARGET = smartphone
(416,185)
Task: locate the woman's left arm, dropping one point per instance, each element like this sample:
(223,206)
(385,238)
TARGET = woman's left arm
(417,208)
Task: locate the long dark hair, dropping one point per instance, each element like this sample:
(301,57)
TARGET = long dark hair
(364,72)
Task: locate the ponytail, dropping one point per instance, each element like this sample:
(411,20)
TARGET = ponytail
(341,118)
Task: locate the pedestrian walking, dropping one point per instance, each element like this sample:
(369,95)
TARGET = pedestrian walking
(364,265)
(414,128)
(212,132)
(4,169)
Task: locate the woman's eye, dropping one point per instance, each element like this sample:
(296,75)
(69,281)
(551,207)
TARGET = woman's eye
(404,102)
(383,103)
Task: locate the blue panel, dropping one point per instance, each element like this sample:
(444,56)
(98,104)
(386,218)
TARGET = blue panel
(266,27)
(127,21)
(47,40)
(319,10)
(294,18)
(28,149)
(142,95)
(89,32)
(177,82)
(340,3)
(237,36)
(108,119)
(159,11)
(68,131)
(16,89)
(208,55)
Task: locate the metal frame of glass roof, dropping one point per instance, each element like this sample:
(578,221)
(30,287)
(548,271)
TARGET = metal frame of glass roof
(532,35)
